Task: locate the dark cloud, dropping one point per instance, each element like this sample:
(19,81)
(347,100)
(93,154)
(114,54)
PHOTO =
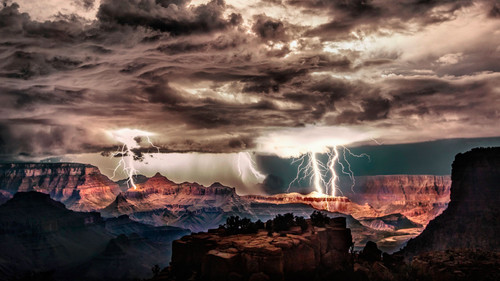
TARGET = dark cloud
(174,17)
(369,16)
(269,29)
(495,11)
(86,4)
(273,184)
(208,78)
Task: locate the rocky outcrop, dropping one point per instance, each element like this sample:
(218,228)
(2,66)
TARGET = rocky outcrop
(471,219)
(287,256)
(80,187)
(159,192)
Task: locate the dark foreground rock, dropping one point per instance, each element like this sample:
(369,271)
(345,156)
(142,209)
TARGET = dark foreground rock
(472,218)
(292,255)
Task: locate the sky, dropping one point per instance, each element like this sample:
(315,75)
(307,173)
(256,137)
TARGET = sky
(213,83)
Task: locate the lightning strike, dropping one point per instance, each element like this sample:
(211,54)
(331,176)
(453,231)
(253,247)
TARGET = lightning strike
(245,160)
(334,156)
(311,168)
(128,138)
(317,173)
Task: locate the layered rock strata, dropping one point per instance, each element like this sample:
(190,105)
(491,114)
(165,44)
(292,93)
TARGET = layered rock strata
(80,187)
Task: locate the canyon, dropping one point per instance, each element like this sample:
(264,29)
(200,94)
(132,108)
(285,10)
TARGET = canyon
(386,209)
(459,244)
(137,227)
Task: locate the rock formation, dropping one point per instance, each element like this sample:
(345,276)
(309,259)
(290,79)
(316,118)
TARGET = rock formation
(472,218)
(318,202)
(160,201)
(286,256)
(419,197)
(80,187)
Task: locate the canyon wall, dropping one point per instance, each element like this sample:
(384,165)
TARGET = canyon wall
(419,197)
(80,187)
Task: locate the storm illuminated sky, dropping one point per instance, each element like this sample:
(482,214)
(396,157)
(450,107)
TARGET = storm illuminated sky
(270,76)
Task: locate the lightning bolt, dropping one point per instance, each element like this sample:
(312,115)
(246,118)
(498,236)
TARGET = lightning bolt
(245,160)
(318,177)
(127,163)
(333,158)
(310,167)
(128,139)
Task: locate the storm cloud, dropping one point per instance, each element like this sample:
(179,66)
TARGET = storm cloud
(215,76)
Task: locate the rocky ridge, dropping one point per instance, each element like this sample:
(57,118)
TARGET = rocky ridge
(80,187)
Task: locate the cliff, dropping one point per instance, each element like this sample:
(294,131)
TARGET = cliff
(471,219)
(159,201)
(419,197)
(287,256)
(319,202)
(80,187)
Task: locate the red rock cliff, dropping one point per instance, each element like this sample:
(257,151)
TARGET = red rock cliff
(79,186)
(418,197)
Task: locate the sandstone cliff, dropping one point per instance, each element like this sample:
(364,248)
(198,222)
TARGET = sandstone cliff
(290,256)
(159,201)
(471,220)
(80,187)
(419,197)
(319,202)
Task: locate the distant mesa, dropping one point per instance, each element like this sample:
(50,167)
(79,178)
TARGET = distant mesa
(80,187)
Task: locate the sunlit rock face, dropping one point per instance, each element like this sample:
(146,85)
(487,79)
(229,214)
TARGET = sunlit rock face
(471,219)
(159,192)
(319,202)
(419,197)
(160,201)
(80,187)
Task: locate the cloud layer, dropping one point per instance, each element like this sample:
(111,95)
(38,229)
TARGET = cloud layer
(211,76)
